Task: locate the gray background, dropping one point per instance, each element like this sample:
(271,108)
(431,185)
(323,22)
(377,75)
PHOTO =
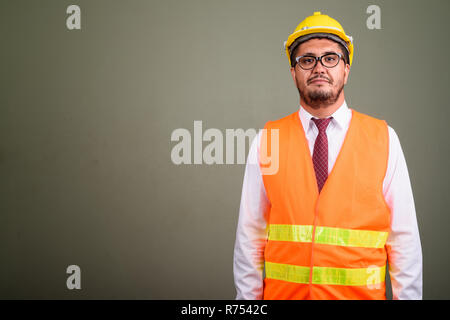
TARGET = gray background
(86,117)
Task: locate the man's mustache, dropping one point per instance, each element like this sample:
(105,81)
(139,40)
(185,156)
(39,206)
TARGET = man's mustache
(318,77)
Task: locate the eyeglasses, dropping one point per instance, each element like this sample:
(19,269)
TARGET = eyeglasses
(329,60)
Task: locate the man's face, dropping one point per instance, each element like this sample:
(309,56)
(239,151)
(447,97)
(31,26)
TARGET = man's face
(320,86)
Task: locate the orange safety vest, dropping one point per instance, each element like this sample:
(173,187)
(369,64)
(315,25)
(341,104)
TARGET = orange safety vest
(329,245)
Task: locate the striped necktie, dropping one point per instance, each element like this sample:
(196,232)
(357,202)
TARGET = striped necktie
(320,153)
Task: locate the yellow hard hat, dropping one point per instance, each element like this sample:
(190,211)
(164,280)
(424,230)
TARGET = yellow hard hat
(321,24)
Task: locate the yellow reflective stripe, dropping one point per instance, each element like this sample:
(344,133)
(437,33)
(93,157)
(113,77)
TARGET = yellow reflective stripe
(348,277)
(350,237)
(287,232)
(328,235)
(287,272)
(326,275)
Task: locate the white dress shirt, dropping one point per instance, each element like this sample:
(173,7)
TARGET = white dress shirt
(403,243)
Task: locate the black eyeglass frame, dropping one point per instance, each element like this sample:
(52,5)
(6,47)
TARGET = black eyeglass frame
(319,58)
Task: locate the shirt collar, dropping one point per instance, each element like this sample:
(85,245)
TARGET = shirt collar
(341,117)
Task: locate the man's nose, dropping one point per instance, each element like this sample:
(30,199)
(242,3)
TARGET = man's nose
(319,68)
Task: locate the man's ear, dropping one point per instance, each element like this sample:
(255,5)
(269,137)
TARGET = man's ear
(293,75)
(347,73)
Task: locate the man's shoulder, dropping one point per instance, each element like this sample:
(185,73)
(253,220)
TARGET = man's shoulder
(369,119)
(281,122)
(372,127)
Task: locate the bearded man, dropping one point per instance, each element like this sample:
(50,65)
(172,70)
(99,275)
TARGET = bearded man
(340,207)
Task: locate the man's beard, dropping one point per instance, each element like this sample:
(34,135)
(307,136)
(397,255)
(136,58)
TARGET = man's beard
(320,98)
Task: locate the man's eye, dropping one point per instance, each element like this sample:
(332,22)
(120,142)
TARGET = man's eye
(330,59)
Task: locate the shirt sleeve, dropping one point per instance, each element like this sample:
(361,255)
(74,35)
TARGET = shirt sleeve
(251,234)
(403,244)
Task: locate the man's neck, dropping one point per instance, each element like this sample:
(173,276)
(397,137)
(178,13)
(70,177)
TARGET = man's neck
(325,110)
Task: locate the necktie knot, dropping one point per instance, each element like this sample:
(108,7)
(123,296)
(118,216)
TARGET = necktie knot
(322,124)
